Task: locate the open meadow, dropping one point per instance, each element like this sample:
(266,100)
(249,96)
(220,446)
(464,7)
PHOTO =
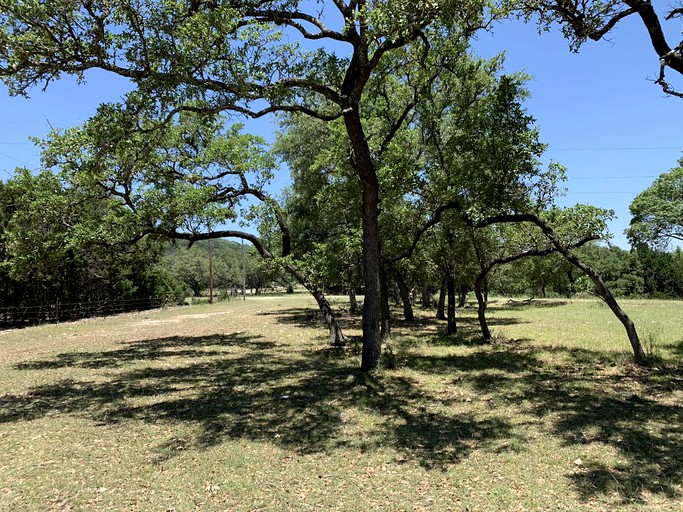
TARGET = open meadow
(242,406)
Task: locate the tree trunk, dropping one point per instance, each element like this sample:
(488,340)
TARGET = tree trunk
(361,161)
(462,295)
(337,337)
(353,301)
(603,290)
(441,308)
(405,297)
(372,305)
(482,303)
(385,325)
(572,281)
(606,294)
(426,296)
(452,327)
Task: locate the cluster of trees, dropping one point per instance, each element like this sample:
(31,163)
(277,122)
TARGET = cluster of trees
(223,265)
(51,253)
(48,256)
(636,273)
(408,152)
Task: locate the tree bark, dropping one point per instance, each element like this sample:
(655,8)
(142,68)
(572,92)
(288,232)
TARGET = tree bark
(362,162)
(452,326)
(463,290)
(601,287)
(426,296)
(441,308)
(337,337)
(482,304)
(606,294)
(405,297)
(353,301)
(385,325)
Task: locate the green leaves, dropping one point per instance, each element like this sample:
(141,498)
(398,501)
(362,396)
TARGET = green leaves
(658,211)
(189,173)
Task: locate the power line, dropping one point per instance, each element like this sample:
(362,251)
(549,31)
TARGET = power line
(15,158)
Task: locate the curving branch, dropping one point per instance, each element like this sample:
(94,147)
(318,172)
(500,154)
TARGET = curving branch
(336,335)
(580,17)
(292,19)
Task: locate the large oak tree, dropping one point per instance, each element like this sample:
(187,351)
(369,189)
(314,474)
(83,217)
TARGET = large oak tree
(250,57)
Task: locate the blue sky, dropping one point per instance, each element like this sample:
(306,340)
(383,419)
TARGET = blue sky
(598,110)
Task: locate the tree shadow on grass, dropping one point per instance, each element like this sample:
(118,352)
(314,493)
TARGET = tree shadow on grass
(518,305)
(480,360)
(149,350)
(422,325)
(300,401)
(646,432)
(308,317)
(676,348)
(308,401)
(637,412)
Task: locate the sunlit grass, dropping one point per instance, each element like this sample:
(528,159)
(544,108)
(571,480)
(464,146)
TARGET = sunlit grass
(241,405)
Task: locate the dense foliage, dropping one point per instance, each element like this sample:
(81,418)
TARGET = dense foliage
(232,266)
(642,272)
(45,260)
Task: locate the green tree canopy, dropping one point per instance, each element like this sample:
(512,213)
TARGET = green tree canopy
(658,210)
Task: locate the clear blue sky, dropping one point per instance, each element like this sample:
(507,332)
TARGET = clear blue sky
(603,119)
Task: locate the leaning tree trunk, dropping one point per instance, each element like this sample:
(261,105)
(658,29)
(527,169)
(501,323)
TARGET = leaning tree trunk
(606,294)
(603,290)
(482,303)
(452,326)
(441,307)
(405,297)
(337,337)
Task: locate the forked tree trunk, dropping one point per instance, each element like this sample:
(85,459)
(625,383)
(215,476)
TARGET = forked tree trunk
(405,297)
(441,307)
(452,326)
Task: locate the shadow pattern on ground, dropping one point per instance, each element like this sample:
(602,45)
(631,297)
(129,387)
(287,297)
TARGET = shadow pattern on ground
(300,399)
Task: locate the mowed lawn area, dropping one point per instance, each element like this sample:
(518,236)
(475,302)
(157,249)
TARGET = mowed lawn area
(242,406)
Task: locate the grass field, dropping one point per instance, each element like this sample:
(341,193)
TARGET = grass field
(241,406)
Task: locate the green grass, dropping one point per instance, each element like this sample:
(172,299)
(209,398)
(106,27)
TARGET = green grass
(240,405)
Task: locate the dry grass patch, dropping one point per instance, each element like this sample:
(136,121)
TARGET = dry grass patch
(242,406)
